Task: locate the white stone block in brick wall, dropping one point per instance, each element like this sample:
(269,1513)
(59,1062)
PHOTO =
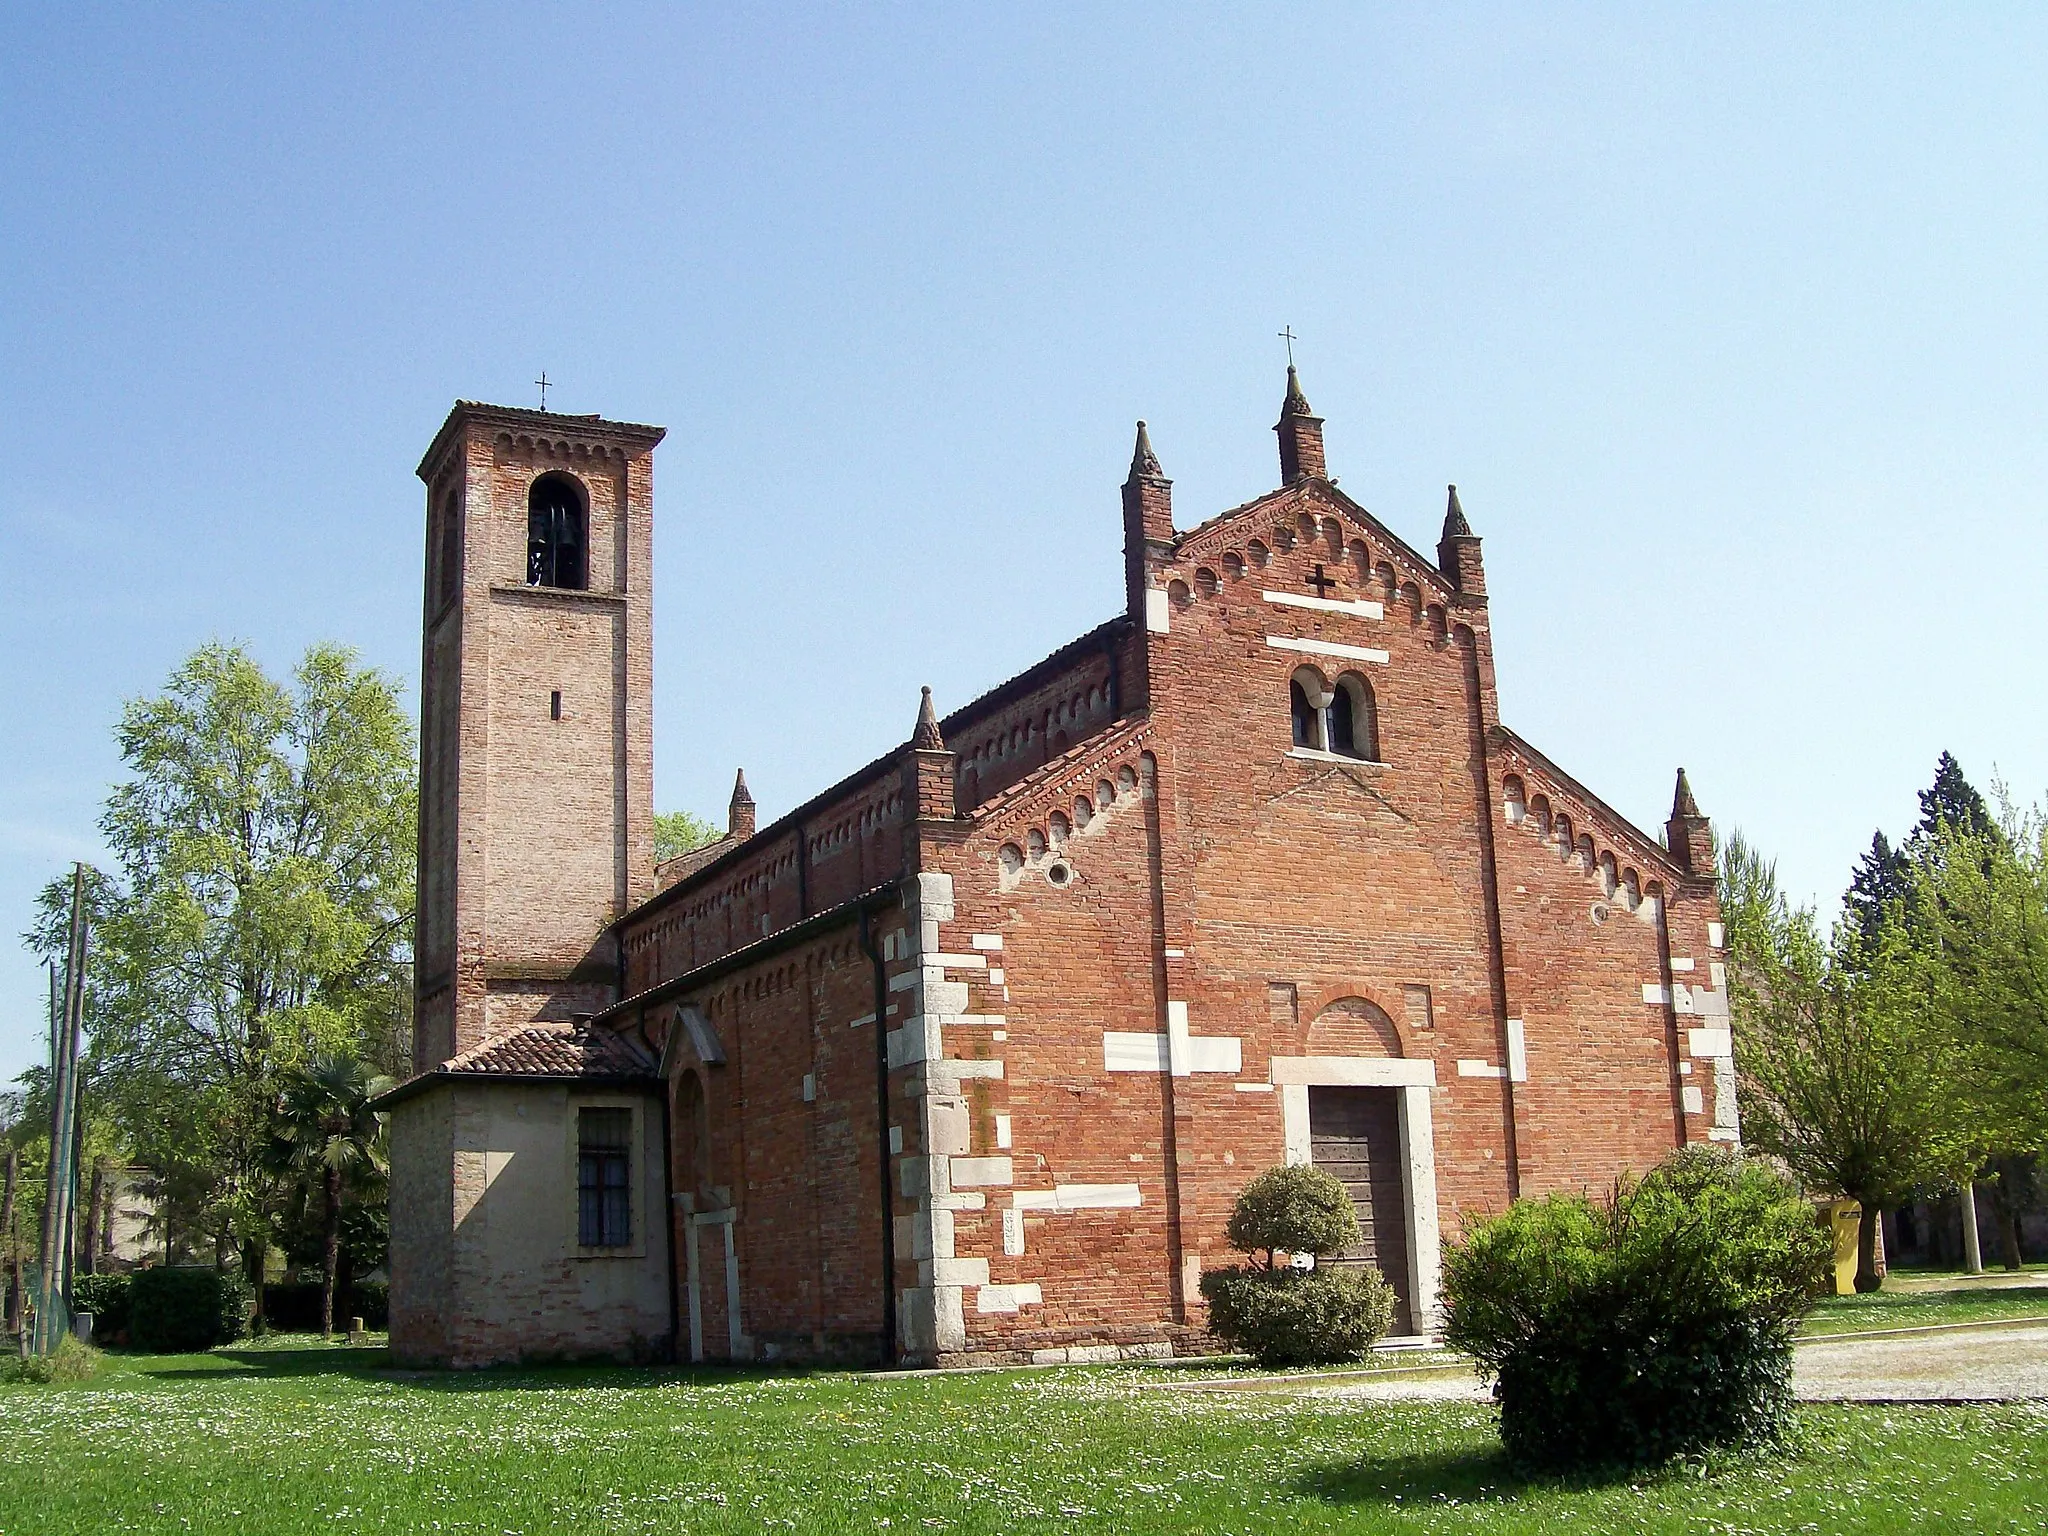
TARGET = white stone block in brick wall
(1656,993)
(1709,1042)
(1695,1101)
(1013,1233)
(987,941)
(1215,1053)
(968,1172)
(1007,1298)
(960,1271)
(949,1127)
(1079,1197)
(1131,1051)
(949,1318)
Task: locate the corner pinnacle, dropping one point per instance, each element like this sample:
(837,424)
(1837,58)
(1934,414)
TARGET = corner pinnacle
(1144,462)
(740,794)
(1455,526)
(1683,806)
(926,737)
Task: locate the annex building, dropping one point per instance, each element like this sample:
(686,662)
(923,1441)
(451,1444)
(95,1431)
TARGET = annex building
(966,1057)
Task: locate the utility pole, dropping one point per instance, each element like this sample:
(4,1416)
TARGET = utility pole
(53,1301)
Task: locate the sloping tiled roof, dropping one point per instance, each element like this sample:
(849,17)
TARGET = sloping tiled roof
(552,1050)
(543,1052)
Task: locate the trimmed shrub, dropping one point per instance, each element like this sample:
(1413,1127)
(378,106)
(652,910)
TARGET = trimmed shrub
(1287,1316)
(1297,1209)
(106,1298)
(179,1310)
(1653,1324)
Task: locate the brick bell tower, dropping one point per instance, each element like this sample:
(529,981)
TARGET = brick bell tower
(536,726)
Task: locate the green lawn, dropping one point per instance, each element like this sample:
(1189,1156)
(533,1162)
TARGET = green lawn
(278,1440)
(1914,1309)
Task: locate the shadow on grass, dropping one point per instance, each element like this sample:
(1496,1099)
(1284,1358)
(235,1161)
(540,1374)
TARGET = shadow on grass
(373,1363)
(1441,1477)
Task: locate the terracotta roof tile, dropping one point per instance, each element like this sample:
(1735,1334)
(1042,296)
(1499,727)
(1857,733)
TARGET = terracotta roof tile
(552,1050)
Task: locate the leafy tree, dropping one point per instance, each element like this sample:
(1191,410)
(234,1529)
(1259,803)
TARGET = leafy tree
(1951,801)
(326,1131)
(1983,953)
(678,832)
(1841,1077)
(259,914)
(1881,885)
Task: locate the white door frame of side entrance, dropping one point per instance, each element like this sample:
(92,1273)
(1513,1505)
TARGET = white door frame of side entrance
(1293,1076)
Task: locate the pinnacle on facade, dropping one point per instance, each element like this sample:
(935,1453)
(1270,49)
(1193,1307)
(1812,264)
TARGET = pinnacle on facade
(1683,806)
(739,815)
(1144,462)
(1455,526)
(1295,403)
(926,737)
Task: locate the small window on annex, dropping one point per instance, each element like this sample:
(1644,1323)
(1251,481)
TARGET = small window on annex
(1340,718)
(604,1190)
(556,534)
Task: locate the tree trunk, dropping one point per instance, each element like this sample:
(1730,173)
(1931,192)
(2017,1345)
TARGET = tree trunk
(1973,1247)
(261,1250)
(89,1235)
(2006,1201)
(330,1250)
(1867,1277)
(105,1236)
(13,1299)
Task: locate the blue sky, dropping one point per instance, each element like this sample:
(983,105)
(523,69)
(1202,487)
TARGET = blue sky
(1728,325)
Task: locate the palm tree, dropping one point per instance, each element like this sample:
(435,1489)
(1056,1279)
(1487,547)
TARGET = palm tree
(325,1125)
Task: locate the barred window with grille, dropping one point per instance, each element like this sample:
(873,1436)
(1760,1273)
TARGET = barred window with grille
(604,1204)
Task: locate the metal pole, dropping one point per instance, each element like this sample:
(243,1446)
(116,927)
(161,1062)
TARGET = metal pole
(53,1304)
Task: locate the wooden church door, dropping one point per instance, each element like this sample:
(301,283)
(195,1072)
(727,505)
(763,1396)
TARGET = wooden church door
(1355,1135)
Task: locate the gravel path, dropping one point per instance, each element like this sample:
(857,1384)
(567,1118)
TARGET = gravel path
(1953,1364)
(1961,1364)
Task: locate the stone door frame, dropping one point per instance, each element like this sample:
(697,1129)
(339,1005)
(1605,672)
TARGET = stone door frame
(1293,1076)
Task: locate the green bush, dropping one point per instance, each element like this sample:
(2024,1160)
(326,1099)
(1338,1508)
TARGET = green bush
(1653,1324)
(1298,1209)
(72,1361)
(1287,1316)
(106,1298)
(174,1311)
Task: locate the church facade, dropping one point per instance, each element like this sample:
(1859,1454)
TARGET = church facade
(965,1058)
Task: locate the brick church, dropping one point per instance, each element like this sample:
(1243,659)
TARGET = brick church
(965,1058)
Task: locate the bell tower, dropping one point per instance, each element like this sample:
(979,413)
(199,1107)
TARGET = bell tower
(536,726)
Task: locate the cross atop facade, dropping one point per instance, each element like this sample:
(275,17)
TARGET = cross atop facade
(542,381)
(1287,335)
(1324,585)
